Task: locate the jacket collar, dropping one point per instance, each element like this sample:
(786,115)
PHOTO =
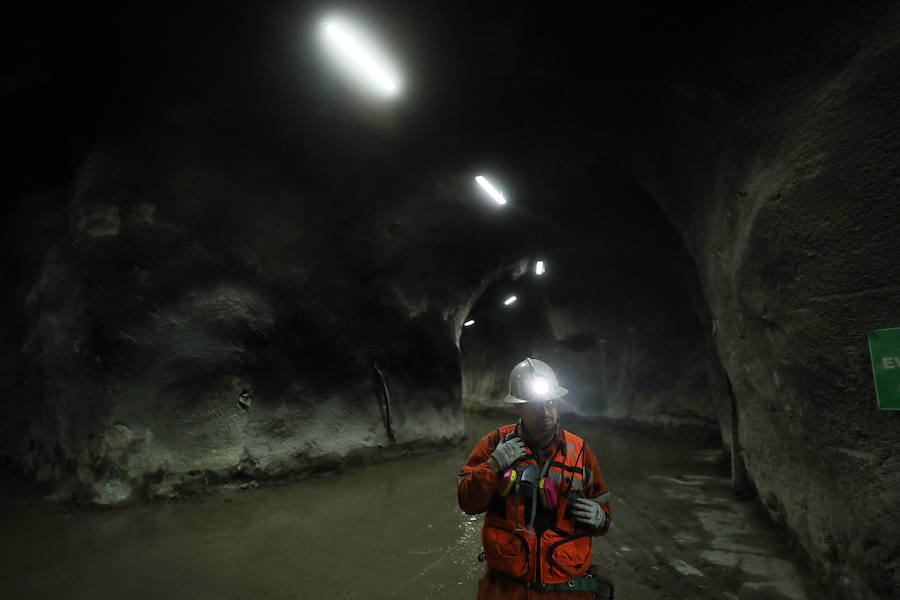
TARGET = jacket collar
(551,446)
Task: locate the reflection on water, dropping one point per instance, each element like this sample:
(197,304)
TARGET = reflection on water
(387,531)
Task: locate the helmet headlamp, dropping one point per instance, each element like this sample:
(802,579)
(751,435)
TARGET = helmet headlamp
(533,380)
(540,386)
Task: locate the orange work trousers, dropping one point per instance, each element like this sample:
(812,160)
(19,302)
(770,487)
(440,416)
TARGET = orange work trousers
(500,586)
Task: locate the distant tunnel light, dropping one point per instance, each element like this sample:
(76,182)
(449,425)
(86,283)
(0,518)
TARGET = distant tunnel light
(360,56)
(539,267)
(510,300)
(469,323)
(491,190)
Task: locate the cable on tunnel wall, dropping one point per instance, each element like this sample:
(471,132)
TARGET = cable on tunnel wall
(386,399)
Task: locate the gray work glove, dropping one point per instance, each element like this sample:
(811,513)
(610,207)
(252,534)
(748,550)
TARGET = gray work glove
(507,452)
(588,512)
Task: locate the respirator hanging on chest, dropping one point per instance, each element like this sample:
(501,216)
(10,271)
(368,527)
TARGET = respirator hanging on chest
(527,482)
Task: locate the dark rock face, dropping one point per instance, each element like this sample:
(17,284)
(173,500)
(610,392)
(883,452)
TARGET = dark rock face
(794,237)
(193,321)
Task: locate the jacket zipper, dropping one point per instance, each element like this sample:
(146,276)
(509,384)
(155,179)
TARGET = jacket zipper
(521,539)
(545,468)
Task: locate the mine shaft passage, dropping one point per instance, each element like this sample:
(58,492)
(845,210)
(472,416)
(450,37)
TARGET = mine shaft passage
(247,246)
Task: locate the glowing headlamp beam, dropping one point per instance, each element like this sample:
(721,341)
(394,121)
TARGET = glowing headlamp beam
(469,323)
(539,268)
(491,190)
(510,300)
(360,57)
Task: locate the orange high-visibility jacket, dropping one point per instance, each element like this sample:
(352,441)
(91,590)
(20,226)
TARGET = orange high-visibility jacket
(563,550)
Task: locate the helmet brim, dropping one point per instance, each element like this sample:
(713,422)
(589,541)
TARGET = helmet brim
(559,392)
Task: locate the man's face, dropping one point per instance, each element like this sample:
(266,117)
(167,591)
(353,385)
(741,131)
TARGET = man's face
(539,418)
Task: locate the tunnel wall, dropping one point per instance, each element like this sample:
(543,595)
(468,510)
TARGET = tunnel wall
(203,318)
(789,205)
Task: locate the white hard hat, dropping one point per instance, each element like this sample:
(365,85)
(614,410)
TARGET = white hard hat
(533,380)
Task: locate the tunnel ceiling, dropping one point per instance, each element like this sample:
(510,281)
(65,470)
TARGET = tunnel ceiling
(553,103)
(530,91)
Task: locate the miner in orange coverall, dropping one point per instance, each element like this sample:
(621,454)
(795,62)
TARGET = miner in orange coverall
(544,497)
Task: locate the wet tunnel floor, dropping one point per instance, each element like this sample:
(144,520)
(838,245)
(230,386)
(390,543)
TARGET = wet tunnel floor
(395,531)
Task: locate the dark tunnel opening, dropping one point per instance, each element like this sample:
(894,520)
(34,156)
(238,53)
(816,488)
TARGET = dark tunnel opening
(614,313)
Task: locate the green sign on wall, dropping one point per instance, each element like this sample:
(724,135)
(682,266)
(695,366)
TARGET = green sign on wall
(884,347)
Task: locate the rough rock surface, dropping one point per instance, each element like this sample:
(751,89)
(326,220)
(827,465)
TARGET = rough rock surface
(190,323)
(792,219)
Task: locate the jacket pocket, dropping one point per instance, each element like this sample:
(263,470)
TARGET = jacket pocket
(569,557)
(506,550)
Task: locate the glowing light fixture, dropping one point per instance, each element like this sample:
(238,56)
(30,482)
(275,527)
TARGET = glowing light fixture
(491,190)
(540,385)
(539,267)
(469,323)
(510,300)
(360,56)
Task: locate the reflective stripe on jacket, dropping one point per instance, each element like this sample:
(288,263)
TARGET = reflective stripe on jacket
(556,552)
